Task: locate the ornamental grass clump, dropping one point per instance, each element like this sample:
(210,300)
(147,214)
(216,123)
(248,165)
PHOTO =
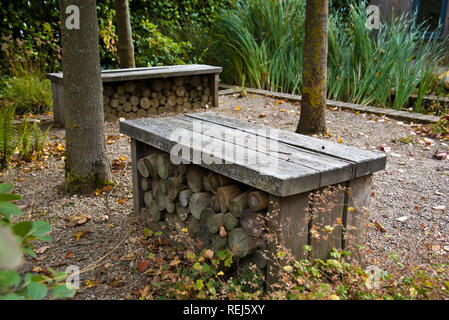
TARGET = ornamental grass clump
(262,41)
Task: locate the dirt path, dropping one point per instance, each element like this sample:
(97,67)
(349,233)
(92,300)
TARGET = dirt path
(407,201)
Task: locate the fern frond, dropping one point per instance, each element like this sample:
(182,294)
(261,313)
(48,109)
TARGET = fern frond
(8,134)
(25,145)
(40,138)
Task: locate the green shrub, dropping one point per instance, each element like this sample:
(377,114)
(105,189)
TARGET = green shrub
(32,140)
(29,94)
(155,49)
(16,238)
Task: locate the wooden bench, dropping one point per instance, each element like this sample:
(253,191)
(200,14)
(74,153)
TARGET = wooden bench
(285,184)
(142,92)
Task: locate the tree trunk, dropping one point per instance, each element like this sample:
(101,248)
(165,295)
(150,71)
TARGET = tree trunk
(86,165)
(313,104)
(125,39)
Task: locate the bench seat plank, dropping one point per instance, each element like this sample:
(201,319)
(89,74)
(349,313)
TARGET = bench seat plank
(366,162)
(148,73)
(284,179)
(332,170)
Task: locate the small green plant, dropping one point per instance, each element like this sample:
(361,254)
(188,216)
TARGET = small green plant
(29,94)
(8,134)
(16,239)
(156,49)
(25,143)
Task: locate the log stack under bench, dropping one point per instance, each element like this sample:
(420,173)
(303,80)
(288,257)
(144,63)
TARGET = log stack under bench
(144,92)
(233,202)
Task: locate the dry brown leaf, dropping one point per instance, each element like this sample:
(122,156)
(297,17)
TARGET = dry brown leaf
(69,255)
(209,254)
(223,232)
(41,250)
(80,234)
(128,257)
(78,220)
(379,226)
(122,200)
(143,265)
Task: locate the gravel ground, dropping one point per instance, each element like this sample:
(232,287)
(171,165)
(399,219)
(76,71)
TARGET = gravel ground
(409,199)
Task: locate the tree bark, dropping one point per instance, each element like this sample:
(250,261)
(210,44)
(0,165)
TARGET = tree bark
(87,165)
(125,39)
(314,73)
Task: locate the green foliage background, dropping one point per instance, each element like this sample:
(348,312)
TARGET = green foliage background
(28,20)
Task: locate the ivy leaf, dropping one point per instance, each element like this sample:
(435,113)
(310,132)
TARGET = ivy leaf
(9,209)
(199,284)
(62,291)
(4,197)
(5,187)
(21,229)
(36,291)
(9,278)
(40,228)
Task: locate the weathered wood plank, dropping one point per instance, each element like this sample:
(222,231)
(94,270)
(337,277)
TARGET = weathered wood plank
(272,175)
(287,221)
(366,162)
(332,170)
(355,217)
(138,150)
(148,73)
(326,221)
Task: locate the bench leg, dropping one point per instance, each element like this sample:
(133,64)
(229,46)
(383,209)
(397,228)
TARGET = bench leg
(57,90)
(213,82)
(355,218)
(326,221)
(137,151)
(287,226)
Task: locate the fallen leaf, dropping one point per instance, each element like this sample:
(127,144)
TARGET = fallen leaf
(122,200)
(223,232)
(440,156)
(118,281)
(127,257)
(41,250)
(78,220)
(209,254)
(80,234)
(69,255)
(237,108)
(262,115)
(143,265)
(379,226)
(384,148)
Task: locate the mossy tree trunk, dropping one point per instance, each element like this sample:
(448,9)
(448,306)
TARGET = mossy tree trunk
(86,163)
(125,40)
(313,105)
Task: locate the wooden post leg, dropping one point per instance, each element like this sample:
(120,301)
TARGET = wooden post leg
(287,228)
(355,218)
(214,81)
(326,221)
(57,90)
(137,151)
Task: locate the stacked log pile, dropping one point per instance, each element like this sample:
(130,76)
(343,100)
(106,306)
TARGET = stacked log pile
(144,98)
(220,212)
